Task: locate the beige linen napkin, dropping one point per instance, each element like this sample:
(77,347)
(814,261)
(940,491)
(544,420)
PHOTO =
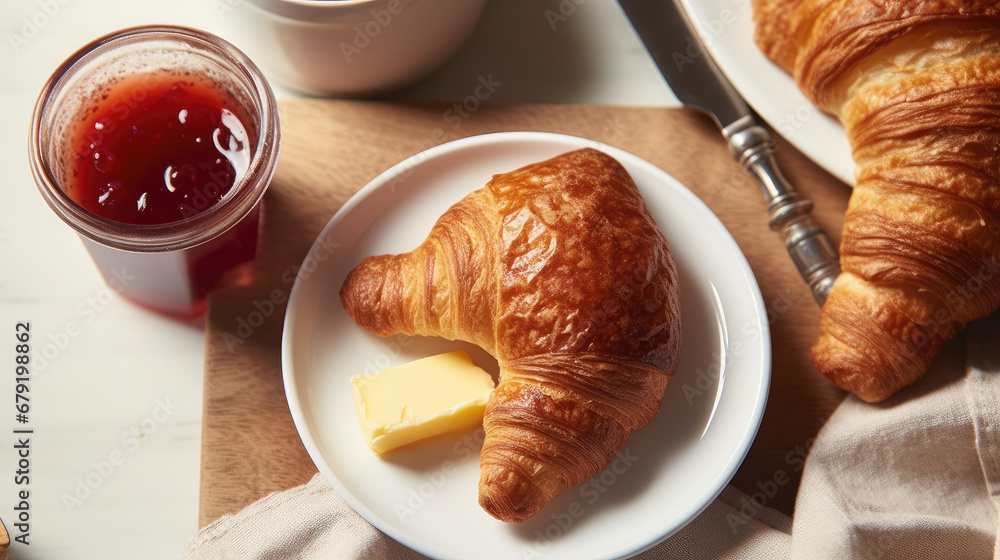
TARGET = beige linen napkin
(915,477)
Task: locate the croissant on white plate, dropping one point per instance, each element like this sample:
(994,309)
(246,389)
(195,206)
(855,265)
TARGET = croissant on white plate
(917,88)
(558,270)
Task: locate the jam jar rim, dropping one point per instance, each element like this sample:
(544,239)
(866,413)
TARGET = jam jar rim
(193,230)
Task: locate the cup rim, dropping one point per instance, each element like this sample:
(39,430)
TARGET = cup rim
(193,230)
(326,3)
(317,11)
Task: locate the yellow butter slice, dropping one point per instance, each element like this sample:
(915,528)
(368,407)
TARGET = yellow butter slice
(420,399)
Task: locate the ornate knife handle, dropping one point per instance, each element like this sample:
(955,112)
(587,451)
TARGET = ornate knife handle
(791,214)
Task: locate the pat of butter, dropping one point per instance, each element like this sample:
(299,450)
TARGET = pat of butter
(423,398)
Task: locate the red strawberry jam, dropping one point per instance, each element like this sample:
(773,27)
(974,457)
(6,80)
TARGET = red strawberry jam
(157,148)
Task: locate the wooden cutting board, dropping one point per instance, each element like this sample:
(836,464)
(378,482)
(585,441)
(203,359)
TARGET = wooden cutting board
(332,148)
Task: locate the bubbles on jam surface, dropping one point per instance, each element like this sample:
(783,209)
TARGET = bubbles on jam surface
(157,149)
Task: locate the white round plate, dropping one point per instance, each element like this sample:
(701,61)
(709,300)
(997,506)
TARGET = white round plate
(726,29)
(425,495)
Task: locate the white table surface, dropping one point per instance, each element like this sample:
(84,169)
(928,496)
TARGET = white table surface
(127,370)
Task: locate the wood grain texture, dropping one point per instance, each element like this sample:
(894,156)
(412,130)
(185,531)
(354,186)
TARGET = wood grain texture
(332,148)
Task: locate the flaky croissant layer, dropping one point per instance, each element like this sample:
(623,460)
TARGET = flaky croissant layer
(559,271)
(917,87)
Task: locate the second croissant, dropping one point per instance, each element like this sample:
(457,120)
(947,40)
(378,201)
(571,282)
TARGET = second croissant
(917,88)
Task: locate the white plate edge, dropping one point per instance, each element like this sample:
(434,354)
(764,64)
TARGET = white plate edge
(429,549)
(838,162)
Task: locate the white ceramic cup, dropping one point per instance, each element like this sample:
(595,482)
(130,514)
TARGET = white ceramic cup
(351,47)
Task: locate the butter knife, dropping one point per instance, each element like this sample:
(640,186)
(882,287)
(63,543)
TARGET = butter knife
(698,83)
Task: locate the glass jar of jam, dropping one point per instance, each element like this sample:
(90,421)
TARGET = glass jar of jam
(156,145)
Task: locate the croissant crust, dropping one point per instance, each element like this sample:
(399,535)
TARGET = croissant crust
(559,271)
(917,87)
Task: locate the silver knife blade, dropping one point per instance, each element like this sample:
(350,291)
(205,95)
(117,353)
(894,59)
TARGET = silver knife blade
(697,82)
(683,61)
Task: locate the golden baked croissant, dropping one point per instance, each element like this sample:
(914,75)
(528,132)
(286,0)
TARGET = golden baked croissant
(917,87)
(558,270)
